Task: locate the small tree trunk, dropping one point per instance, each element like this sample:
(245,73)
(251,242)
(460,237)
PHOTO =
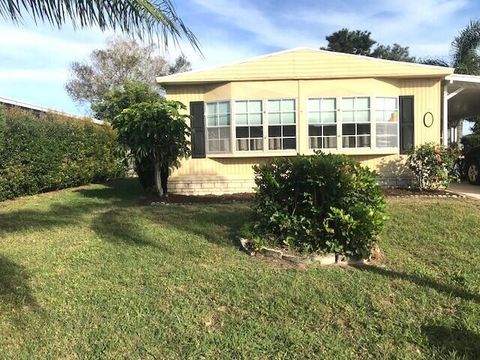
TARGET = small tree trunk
(158,178)
(164,178)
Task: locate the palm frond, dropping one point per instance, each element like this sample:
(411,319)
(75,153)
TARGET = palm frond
(465,45)
(143,18)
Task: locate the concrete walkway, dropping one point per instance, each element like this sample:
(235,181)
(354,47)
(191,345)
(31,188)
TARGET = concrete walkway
(471,191)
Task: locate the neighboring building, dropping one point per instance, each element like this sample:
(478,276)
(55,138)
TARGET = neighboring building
(36,109)
(301,100)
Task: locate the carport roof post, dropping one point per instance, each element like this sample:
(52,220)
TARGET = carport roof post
(461,94)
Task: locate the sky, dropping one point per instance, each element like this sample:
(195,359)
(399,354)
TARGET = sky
(35,59)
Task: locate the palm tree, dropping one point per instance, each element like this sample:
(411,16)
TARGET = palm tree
(465,46)
(142,18)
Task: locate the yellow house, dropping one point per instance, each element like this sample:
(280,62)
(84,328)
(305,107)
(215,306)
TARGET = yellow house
(299,101)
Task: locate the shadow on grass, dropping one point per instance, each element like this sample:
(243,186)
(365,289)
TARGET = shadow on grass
(217,223)
(114,191)
(118,227)
(461,342)
(423,281)
(14,285)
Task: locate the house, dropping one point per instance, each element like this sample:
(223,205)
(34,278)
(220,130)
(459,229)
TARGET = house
(302,100)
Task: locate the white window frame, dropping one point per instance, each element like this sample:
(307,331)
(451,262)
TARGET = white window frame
(248,125)
(267,113)
(321,124)
(207,140)
(397,121)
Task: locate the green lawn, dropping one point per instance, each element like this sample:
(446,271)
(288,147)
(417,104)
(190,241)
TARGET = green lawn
(92,273)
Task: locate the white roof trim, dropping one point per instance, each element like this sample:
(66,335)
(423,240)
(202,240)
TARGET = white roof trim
(463,78)
(369,58)
(38,108)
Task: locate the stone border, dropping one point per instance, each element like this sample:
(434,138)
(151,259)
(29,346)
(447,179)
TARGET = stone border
(444,196)
(322,260)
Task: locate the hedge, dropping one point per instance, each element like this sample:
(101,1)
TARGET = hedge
(470,141)
(40,153)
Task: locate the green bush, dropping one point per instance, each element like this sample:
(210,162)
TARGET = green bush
(470,141)
(321,203)
(433,166)
(49,152)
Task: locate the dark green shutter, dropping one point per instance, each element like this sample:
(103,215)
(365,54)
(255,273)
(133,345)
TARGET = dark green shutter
(407,124)
(197,109)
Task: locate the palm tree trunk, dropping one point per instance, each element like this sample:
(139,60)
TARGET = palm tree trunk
(158,178)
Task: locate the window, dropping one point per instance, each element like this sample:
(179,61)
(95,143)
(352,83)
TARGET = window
(218,126)
(386,117)
(282,125)
(356,127)
(322,123)
(249,125)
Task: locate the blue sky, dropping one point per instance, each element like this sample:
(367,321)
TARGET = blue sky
(34,60)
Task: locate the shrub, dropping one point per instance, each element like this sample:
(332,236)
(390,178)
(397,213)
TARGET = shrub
(433,166)
(49,152)
(470,141)
(320,203)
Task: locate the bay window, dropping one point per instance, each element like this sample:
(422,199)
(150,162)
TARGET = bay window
(356,127)
(322,123)
(218,127)
(249,125)
(282,129)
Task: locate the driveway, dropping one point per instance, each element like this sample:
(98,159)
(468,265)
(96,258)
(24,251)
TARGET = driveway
(471,191)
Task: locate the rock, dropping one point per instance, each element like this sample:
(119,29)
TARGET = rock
(247,246)
(296,259)
(326,259)
(271,253)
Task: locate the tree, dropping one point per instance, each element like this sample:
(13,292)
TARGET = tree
(352,42)
(143,18)
(122,60)
(157,132)
(394,52)
(465,46)
(360,43)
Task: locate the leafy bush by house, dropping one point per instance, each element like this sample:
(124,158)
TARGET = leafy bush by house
(433,166)
(470,141)
(320,203)
(49,152)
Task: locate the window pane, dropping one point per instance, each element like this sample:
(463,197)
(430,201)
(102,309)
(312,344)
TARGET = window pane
(224,133)
(255,119)
(213,133)
(275,144)
(314,118)
(288,105)
(256,144)
(315,142)
(241,119)
(347,103)
(242,132)
(274,105)
(255,106)
(380,116)
(348,129)
(212,121)
(362,116)
(390,103)
(362,103)
(224,120)
(328,104)
(225,145)
(223,107)
(314,130)
(349,141)
(329,130)
(256,132)
(330,142)
(328,117)
(363,141)
(390,141)
(242,144)
(380,103)
(347,116)
(289,143)
(288,118)
(274,118)
(363,129)
(289,131)
(314,105)
(213,146)
(274,131)
(241,107)
(211,109)
(392,116)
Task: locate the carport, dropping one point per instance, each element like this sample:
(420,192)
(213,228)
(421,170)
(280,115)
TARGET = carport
(461,99)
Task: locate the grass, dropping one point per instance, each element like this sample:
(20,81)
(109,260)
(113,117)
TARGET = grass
(91,273)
